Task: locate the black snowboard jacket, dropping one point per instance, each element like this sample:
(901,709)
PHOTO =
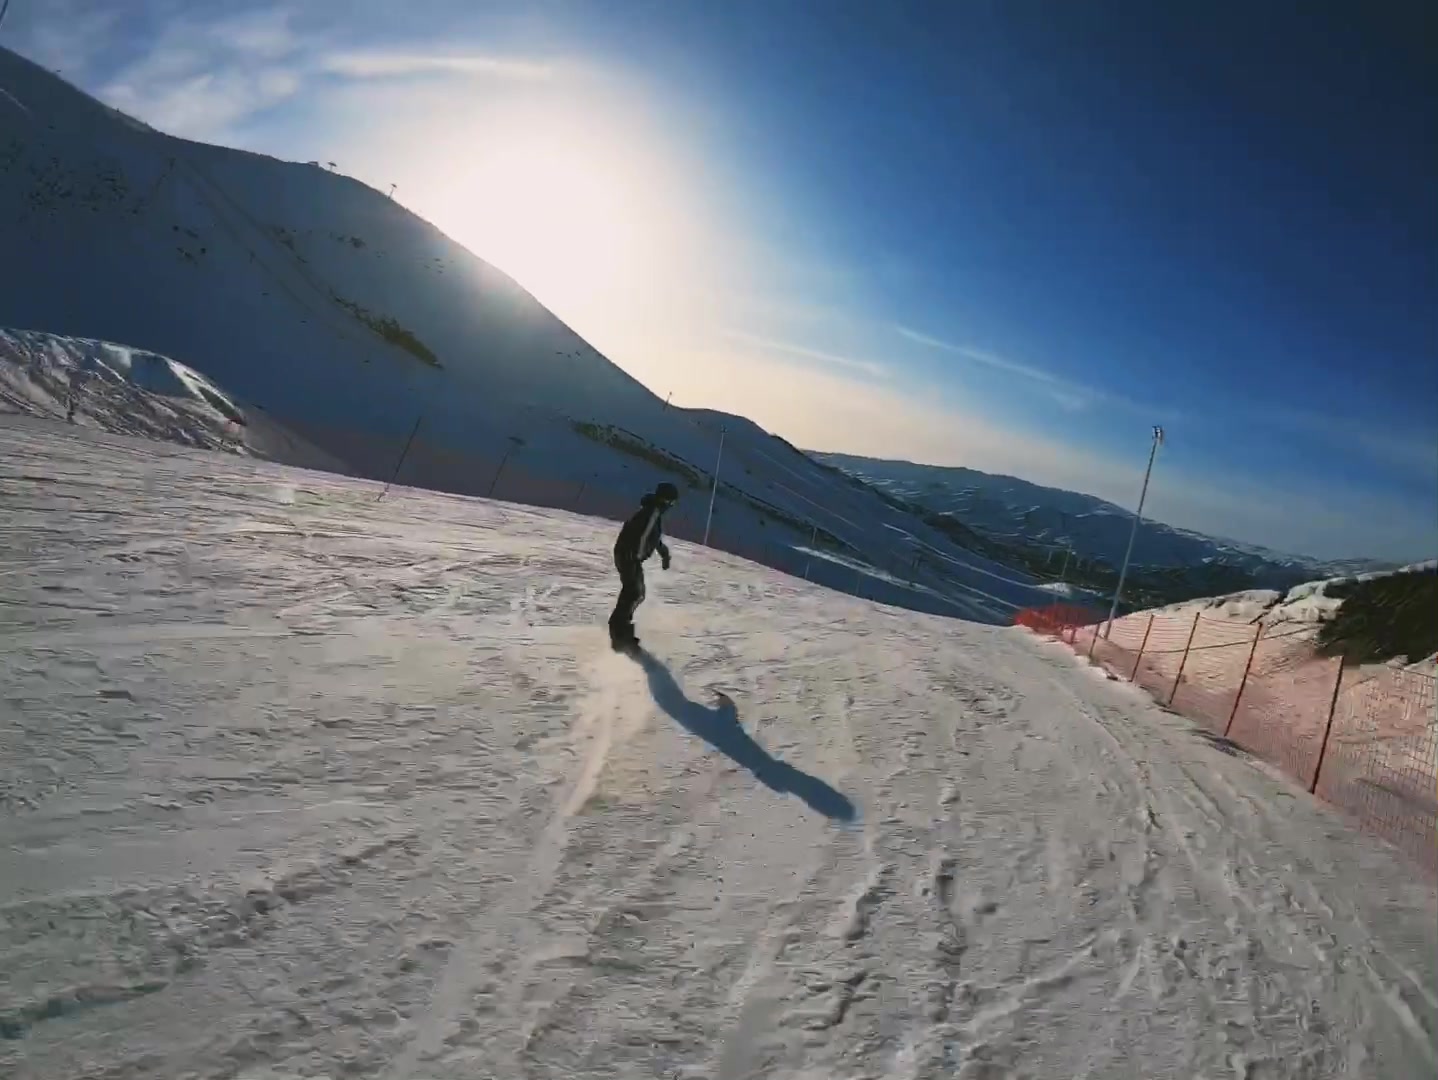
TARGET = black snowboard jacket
(643,534)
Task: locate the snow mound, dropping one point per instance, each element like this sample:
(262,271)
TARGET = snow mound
(1297,615)
(100,382)
(1306,604)
(1070,591)
(129,391)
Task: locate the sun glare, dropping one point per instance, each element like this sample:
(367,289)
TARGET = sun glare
(592,201)
(570,213)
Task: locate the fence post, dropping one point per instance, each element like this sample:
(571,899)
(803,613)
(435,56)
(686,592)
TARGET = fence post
(1132,675)
(1093,642)
(1327,728)
(1242,682)
(1182,663)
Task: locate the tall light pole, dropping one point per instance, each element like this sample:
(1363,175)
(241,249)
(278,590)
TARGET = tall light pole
(715,489)
(1133,532)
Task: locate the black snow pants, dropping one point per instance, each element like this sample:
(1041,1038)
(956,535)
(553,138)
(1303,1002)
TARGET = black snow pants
(631,595)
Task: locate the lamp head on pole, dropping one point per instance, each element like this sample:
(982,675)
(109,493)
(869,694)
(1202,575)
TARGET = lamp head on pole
(1158,434)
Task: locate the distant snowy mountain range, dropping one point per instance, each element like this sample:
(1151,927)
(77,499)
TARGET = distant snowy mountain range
(1007,508)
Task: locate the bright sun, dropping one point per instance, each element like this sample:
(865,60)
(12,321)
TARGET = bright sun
(571,214)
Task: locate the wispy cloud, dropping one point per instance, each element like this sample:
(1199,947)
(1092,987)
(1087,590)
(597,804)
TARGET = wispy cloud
(380,64)
(202,74)
(1067,394)
(263,35)
(69,38)
(1411,451)
(865,367)
(202,105)
(979,356)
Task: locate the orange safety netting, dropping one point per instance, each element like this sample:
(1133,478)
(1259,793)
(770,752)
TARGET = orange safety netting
(1364,739)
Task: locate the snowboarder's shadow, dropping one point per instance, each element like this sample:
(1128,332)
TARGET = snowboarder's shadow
(719,726)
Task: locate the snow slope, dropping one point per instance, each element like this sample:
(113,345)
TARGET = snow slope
(347,320)
(299,782)
(1005,506)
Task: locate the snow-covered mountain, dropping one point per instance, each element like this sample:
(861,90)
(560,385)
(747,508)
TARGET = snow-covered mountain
(303,291)
(348,322)
(1008,508)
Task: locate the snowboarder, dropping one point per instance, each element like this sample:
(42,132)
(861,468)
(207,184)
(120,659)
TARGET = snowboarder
(641,537)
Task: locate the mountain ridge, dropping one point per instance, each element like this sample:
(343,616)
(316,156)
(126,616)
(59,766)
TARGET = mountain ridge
(1010,507)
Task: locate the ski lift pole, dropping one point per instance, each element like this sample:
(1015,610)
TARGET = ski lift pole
(499,471)
(402,455)
(1133,532)
(713,491)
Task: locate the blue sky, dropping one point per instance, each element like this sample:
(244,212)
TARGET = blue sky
(1006,235)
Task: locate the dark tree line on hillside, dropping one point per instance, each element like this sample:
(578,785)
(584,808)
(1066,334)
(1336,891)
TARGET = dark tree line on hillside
(1385,618)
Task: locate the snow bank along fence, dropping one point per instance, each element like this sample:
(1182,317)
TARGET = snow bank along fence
(1365,739)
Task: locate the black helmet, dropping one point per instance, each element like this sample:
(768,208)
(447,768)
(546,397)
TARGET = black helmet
(666,492)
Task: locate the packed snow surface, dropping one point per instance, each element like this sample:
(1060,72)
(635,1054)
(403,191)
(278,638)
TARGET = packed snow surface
(302,782)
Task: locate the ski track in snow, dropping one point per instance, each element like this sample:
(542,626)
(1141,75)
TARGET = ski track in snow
(301,783)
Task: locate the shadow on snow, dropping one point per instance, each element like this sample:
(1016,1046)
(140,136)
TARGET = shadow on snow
(719,726)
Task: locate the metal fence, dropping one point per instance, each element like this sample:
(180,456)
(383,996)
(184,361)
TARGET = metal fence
(1364,739)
